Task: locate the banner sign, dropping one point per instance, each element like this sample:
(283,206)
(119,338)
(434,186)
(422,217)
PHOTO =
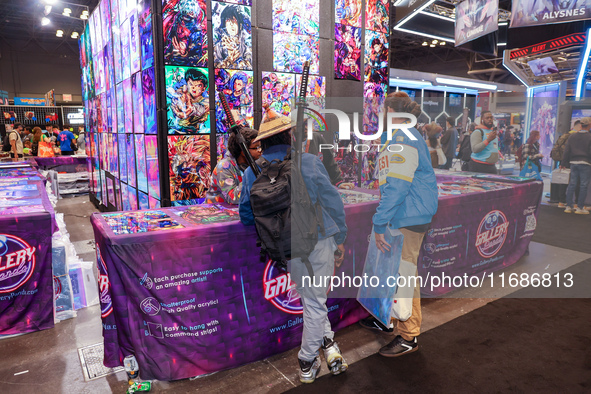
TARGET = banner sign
(535,12)
(3,97)
(29,101)
(551,45)
(475,18)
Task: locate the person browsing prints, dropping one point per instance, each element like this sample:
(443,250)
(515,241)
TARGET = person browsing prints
(577,157)
(275,135)
(485,146)
(531,150)
(65,139)
(16,142)
(226,178)
(409,199)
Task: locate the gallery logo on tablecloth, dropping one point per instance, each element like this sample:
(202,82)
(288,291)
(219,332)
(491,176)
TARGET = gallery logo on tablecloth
(492,233)
(104,285)
(280,290)
(17,262)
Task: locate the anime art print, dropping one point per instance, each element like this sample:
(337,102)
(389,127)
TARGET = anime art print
(150,126)
(185,32)
(134,44)
(232,36)
(290,51)
(377,15)
(348,12)
(374,95)
(120,109)
(154,203)
(238,89)
(130,150)
(542,12)
(128,105)
(132,198)
(278,92)
(143,201)
(296,17)
(187,100)
(140,159)
(125,50)
(189,166)
(221,145)
(475,18)
(347,52)
(376,57)
(151,143)
(117,66)
(122,157)
(147,42)
(138,103)
(139,222)
(315,95)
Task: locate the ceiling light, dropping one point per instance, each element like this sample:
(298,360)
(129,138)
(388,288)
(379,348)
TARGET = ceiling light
(85,12)
(59,33)
(442,43)
(469,84)
(67,12)
(432,45)
(425,43)
(47,10)
(83,16)
(52,2)
(434,42)
(74,34)
(45,21)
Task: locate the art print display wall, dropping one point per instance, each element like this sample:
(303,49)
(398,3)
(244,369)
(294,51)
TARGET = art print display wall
(152,71)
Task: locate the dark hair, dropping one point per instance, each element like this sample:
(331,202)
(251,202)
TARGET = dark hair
(233,145)
(532,136)
(577,122)
(17,125)
(472,126)
(283,138)
(484,113)
(232,12)
(28,128)
(432,130)
(401,102)
(196,75)
(451,121)
(49,125)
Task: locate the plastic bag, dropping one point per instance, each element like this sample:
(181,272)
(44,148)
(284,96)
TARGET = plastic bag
(561,176)
(530,171)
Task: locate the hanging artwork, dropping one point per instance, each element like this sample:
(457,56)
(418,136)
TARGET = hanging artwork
(278,91)
(347,52)
(132,198)
(189,167)
(185,32)
(222,145)
(376,57)
(151,142)
(130,149)
(138,103)
(297,17)
(140,159)
(122,157)
(134,44)
(290,51)
(120,109)
(316,92)
(237,87)
(232,36)
(128,105)
(150,125)
(377,15)
(187,100)
(147,43)
(125,54)
(143,201)
(374,95)
(348,12)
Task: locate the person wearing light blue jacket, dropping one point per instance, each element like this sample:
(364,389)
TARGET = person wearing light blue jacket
(409,197)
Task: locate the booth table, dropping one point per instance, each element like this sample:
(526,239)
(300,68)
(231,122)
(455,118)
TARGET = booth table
(67,164)
(184,290)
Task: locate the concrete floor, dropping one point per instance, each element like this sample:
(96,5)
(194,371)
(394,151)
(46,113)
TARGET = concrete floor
(51,356)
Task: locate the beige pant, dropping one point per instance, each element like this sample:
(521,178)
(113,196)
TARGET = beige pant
(411,247)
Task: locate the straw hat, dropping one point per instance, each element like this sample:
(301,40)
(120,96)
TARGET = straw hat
(272,124)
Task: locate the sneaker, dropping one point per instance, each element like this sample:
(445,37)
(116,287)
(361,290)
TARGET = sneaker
(334,359)
(582,212)
(561,205)
(399,346)
(568,210)
(371,323)
(309,370)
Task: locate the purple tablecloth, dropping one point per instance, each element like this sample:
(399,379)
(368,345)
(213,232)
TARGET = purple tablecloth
(62,163)
(194,300)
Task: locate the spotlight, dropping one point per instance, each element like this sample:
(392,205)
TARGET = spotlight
(434,42)
(67,12)
(59,33)
(45,21)
(74,34)
(442,43)
(85,12)
(432,45)
(425,43)
(83,16)
(47,10)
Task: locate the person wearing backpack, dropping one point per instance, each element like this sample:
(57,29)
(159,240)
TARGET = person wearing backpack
(485,146)
(409,199)
(275,135)
(557,154)
(577,157)
(14,142)
(466,148)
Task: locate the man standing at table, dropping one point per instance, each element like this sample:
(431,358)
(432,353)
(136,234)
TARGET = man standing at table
(16,142)
(485,146)
(65,139)
(449,142)
(577,156)
(275,136)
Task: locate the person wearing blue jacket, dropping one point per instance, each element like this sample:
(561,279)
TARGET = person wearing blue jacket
(275,137)
(408,189)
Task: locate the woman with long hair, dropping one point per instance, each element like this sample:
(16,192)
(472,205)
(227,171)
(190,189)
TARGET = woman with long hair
(531,150)
(43,144)
(433,131)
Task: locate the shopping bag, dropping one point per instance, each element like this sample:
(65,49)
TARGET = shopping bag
(402,306)
(376,297)
(441,159)
(530,170)
(45,149)
(561,176)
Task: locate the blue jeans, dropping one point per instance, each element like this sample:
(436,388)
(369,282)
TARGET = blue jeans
(578,173)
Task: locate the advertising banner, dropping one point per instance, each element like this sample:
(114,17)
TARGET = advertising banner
(534,12)
(475,18)
(29,101)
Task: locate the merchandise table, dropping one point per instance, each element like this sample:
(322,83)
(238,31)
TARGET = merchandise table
(27,222)
(184,290)
(67,164)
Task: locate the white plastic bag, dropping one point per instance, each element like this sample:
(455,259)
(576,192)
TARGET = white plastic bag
(402,306)
(561,176)
(441,159)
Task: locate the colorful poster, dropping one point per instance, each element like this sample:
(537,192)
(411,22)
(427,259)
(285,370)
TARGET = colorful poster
(134,43)
(140,159)
(297,17)
(185,32)
(132,198)
(373,103)
(147,42)
(143,201)
(377,15)
(376,57)
(232,36)
(127,105)
(117,64)
(122,139)
(475,18)
(290,51)
(138,103)
(533,12)
(153,203)
(130,149)
(139,222)
(125,48)
(150,125)
(347,52)
(348,12)
(151,142)
(278,91)
(222,145)
(543,118)
(120,109)
(187,100)
(189,167)
(237,87)
(315,94)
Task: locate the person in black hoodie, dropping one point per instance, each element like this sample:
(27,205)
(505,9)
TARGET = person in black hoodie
(449,143)
(577,157)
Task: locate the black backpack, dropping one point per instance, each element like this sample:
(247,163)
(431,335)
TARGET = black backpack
(6,147)
(285,218)
(465,149)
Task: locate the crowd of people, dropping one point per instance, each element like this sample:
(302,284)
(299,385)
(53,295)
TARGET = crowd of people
(21,141)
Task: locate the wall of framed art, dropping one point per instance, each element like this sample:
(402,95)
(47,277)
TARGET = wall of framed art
(152,71)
